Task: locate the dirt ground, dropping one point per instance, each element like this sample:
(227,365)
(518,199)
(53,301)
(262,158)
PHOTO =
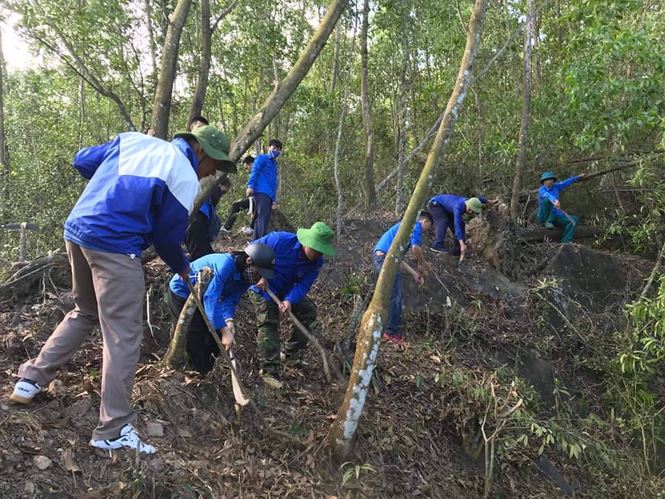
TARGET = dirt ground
(417,434)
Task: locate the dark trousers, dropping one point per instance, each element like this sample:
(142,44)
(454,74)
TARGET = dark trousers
(263,209)
(236,208)
(394,324)
(443,220)
(267,320)
(201,347)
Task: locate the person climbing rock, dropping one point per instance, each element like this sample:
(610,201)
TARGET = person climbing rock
(298,261)
(549,211)
(393,330)
(233,273)
(242,205)
(262,185)
(447,212)
(140,192)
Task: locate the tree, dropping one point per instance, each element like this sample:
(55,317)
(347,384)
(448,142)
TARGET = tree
(4,154)
(371,327)
(368,182)
(161,108)
(526,111)
(205,45)
(281,93)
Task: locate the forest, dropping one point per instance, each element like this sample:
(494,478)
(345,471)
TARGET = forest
(531,367)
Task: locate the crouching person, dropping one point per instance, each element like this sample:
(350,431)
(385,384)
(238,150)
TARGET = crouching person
(298,261)
(232,273)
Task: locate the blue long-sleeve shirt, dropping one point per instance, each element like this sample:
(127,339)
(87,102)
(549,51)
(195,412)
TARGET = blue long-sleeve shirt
(294,273)
(141,192)
(456,207)
(224,291)
(263,177)
(552,194)
(389,236)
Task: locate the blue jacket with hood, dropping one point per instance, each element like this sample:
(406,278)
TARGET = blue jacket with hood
(141,192)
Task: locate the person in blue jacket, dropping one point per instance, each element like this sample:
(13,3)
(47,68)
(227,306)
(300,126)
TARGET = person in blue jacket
(298,261)
(549,207)
(448,211)
(233,273)
(262,185)
(393,330)
(140,192)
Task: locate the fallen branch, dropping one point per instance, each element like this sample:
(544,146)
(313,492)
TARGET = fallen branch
(540,234)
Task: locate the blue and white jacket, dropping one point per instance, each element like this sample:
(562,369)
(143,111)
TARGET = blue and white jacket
(141,192)
(294,272)
(263,177)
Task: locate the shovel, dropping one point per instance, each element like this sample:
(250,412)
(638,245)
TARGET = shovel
(241,400)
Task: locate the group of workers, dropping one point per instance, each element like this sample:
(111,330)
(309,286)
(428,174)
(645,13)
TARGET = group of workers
(141,192)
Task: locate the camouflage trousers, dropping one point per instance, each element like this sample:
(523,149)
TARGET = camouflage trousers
(267,321)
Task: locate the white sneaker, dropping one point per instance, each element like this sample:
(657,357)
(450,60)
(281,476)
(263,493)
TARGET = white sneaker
(224,229)
(128,439)
(25,390)
(248,231)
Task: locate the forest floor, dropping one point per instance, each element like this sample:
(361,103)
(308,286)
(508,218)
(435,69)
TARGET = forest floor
(478,343)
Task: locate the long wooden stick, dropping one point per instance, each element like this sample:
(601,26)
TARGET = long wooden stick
(312,338)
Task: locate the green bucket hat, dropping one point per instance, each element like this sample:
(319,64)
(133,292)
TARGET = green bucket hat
(319,237)
(215,143)
(547,176)
(475,205)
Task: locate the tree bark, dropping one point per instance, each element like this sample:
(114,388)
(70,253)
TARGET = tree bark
(338,183)
(175,355)
(147,8)
(368,179)
(518,177)
(205,47)
(4,154)
(281,93)
(401,134)
(161,108)
(369,336)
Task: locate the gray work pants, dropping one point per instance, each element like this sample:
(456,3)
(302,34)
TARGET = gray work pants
(108,289)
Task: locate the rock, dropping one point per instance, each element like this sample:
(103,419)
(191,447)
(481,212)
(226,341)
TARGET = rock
(57,389)
(78,409)
(154,429)
(41,462)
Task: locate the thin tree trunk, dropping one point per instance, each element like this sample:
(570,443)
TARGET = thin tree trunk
(526,114)
(401,141)
(161,108)
(205,47)
(4,155)
(338,183)
(369,337)
(147,8)
(175,355)
(335,66)
(278,97)
(368,179)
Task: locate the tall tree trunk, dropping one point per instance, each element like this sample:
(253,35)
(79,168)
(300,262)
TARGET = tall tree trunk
(147,9)
(161,108)
(4,154)
(278,97)
(368,179)
(526,114)
(335,65)
(369,336)
(338,182)
(401,141)
(205,47)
